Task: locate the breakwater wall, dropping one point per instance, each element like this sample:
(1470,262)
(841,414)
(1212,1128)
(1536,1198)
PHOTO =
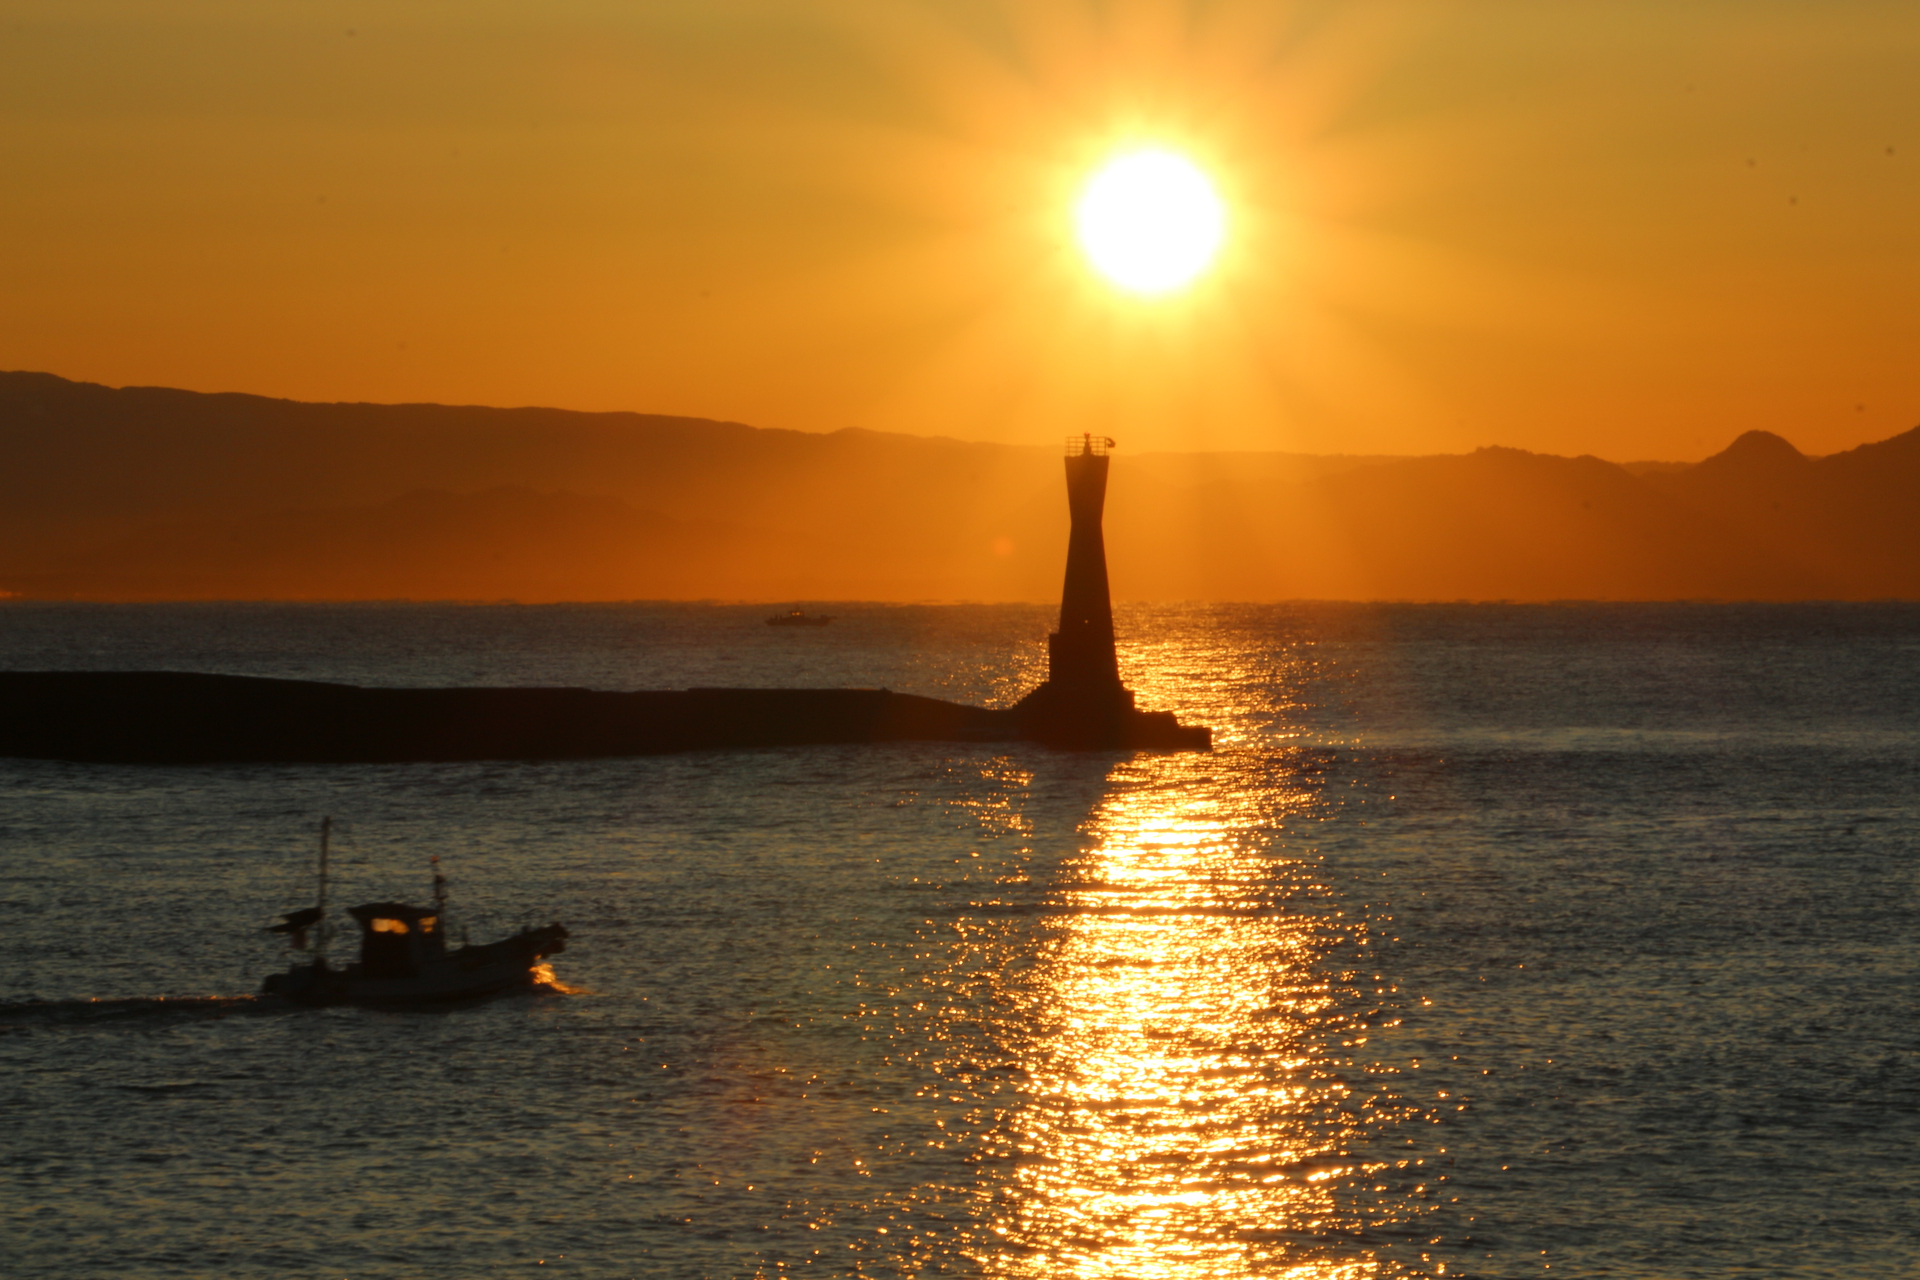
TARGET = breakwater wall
(163,717)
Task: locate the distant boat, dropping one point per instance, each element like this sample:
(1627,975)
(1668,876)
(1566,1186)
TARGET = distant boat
(795,618)
(404,960)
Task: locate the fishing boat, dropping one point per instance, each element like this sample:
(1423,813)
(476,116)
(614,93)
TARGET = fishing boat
(404,958)
(795,618)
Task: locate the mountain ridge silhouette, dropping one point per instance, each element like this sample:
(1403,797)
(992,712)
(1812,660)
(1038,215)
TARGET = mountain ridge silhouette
(157,493)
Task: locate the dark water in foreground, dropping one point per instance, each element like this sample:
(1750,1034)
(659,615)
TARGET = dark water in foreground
(1491,942)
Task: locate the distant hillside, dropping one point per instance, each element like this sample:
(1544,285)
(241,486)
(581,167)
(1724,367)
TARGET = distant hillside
(149,493)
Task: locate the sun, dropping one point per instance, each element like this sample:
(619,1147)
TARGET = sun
(1150,221)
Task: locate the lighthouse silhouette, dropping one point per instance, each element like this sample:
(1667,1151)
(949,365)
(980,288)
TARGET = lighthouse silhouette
(1082,704)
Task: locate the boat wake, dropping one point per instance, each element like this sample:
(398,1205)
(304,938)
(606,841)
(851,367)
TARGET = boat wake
(544,983)
(27,1015)
(21,1015)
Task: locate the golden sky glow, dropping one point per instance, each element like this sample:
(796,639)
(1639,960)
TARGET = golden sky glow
(1631,229)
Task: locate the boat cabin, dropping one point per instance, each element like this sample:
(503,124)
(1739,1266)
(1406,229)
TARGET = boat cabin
(396,939)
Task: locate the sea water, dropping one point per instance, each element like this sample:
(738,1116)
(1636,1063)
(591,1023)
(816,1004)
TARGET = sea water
(1489,941)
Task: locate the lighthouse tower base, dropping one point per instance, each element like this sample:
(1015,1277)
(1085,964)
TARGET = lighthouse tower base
(1091,719)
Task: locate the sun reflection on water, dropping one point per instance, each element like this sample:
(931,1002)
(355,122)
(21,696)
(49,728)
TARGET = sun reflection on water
(1183,1118)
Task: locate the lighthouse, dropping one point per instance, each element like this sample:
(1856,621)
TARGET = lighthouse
(1080,655)
(1082,704)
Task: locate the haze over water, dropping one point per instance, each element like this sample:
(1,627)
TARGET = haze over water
(1491,941)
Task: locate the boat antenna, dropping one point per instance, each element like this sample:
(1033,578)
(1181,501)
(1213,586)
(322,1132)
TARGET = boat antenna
(320,936)
(439,894)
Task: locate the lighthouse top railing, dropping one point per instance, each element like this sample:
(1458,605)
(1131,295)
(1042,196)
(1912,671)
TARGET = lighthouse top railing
(1088,446)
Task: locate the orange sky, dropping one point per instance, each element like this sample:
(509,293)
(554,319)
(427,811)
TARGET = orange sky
(1630,229)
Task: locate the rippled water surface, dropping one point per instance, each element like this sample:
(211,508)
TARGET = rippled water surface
(1489,942)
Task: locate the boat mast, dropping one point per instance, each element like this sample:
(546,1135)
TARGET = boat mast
(439,896)
(320,937)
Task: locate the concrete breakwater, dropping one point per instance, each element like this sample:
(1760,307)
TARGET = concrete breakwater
(161,717)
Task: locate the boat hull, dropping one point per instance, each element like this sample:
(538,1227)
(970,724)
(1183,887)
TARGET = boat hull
(463,975)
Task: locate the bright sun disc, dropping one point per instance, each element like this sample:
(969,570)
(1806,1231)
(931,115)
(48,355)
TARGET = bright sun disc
(1150,221)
